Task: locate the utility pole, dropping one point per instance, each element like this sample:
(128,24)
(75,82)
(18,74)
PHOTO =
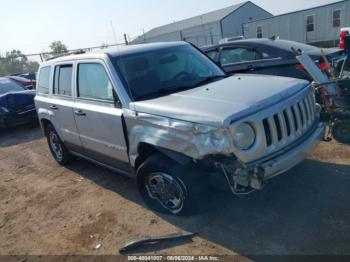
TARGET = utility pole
(114,34)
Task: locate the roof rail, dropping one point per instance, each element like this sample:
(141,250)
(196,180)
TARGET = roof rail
(76,52)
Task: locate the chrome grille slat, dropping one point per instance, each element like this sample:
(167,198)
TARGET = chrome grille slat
(308,111)
(291,120)
(303,113)
(273,130)
(312,107)
(298,116)
(283,126)
(289,124)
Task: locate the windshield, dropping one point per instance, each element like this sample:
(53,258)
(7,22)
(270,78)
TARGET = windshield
(7,85)
(165,71)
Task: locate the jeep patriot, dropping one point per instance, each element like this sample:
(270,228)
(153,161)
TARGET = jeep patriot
(168,116)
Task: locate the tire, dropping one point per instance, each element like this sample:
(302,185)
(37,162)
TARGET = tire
(341,132)
(184,186)
(58,150)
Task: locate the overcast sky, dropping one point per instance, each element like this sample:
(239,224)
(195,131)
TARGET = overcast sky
(31,25)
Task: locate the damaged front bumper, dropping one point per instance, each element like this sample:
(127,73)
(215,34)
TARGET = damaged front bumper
(242,176)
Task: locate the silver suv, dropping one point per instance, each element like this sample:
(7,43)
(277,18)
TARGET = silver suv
(167,115)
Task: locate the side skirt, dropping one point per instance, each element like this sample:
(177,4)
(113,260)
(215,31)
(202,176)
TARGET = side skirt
(113,169)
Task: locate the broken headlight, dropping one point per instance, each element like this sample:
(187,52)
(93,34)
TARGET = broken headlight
(214,137)
(244,136)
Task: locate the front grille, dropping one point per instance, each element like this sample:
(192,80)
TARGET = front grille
(291,123)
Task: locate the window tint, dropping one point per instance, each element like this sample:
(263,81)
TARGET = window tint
(44,80)
(259,31)
(63,80)
(310,26)
(236,55)
(212,54)
(336,18)
(94,83)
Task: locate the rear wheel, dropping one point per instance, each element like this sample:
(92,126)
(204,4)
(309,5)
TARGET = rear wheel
(168,187)
(341,131)
(57,148)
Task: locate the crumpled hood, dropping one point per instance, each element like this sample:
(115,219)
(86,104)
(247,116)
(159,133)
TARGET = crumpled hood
(16,100)
(221,102)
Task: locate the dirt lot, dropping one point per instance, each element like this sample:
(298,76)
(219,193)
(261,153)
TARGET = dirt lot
(48,209)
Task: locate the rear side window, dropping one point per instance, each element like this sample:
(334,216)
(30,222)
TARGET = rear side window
(63,80)
(94,83)
(237,55)
(44,80)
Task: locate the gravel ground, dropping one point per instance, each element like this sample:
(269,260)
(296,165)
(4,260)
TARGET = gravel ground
(46,209)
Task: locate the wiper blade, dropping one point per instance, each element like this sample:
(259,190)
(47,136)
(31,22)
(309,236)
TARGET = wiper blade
(161,91)
(209,79)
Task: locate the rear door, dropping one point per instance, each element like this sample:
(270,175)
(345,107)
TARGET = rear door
(61,104)
(98,114)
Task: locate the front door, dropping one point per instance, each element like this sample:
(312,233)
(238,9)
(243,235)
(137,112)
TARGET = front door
(98,119)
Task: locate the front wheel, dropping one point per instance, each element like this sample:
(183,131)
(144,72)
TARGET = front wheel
(168,187)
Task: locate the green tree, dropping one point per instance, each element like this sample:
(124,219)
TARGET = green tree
(57,48)
(15,62)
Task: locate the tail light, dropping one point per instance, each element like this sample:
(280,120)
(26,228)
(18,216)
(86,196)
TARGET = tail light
(299,67)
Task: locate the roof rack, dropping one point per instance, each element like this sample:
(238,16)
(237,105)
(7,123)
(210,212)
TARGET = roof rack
(75,52)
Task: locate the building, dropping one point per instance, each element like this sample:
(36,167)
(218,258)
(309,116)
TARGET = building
(318,26)
(208,28)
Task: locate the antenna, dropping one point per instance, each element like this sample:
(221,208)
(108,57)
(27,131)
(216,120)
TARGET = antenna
(114,34)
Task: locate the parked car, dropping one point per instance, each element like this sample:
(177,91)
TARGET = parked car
(16,104)
(27,83)
(168,116)
(268,57)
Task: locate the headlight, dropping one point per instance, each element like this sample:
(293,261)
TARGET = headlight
(217,139)
(244,136)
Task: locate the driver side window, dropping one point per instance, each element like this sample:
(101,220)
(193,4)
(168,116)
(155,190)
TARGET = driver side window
(94,83)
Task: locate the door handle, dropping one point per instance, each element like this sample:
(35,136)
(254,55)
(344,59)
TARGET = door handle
(53,107)
(79,113)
